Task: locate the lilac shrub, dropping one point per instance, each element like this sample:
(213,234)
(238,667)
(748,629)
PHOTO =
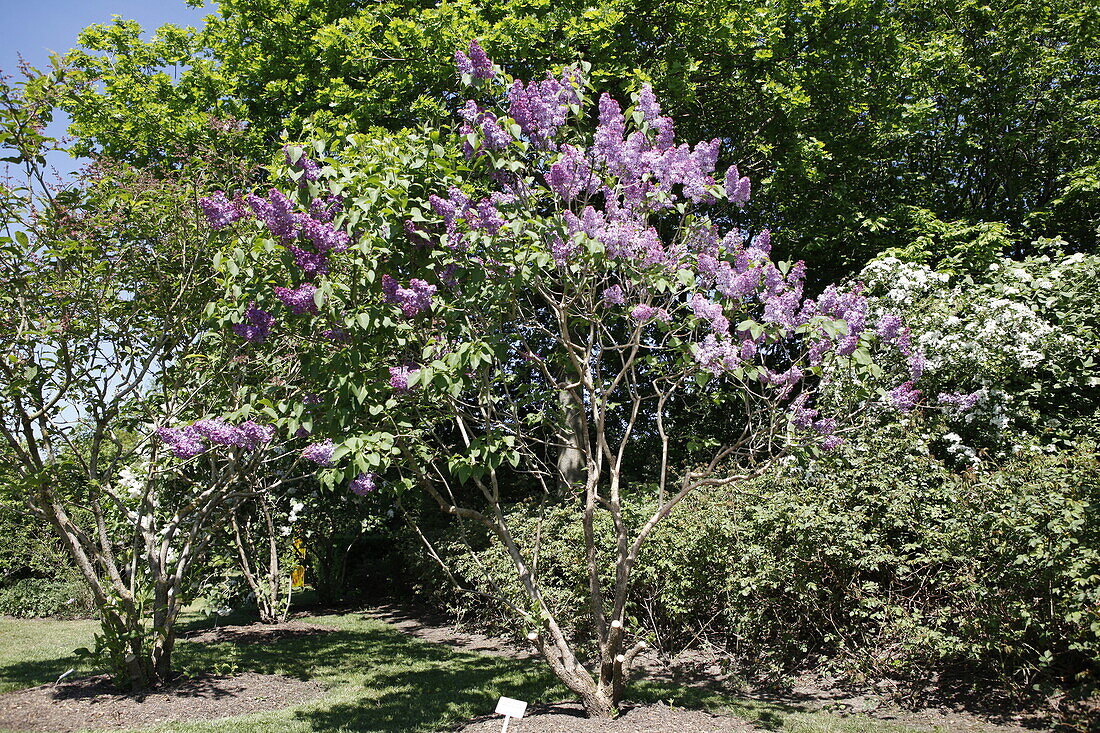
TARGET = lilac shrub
(530,302)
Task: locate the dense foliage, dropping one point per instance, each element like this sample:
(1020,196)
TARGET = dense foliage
(41,597)
(953,130)
(876,561)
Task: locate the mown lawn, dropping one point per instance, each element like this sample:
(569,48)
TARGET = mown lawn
(376,679)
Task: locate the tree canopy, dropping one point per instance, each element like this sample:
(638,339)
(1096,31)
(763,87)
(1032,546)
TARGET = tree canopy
(951,131)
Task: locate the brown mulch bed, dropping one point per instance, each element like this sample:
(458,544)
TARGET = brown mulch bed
(94,702)
(257,633)
(569,718)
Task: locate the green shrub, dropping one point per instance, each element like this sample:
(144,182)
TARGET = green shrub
(875,561)
(40,597)
(885,563)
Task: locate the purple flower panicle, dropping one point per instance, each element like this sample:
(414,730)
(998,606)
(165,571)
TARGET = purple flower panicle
(300,300)
(220,211)
(889,326)
(319,453)
(310,168)
(399,378)
(190,440)
(412,300)
(184,442)
(253,434)
(717,355)
(474,62)
(257,325)
(903,397)
(738,187)
(363,484)
(962,402)
(614,296)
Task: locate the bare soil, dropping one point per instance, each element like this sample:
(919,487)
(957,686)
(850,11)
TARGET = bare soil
(94,702)
(970,710)
(569,718)
(257,633)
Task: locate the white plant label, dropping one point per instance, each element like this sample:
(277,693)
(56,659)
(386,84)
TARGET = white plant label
(510,708)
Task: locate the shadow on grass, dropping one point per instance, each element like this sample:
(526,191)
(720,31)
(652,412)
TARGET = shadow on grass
(381,679)
(31,673)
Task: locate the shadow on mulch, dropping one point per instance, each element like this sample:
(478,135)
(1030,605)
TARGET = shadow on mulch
(697,680)
(95,702)
(570,718)
(256,633)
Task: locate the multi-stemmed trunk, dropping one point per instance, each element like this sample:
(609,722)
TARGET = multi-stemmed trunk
(264,578)
(139,599)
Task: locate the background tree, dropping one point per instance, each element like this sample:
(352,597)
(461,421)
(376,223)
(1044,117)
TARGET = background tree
(954,130)
(106,282)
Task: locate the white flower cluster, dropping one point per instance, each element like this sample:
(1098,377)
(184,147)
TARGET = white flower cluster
(899,285)
(996,331)
(131,480)
(961,452)
(968,328)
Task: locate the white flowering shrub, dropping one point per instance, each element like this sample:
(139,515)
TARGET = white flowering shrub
(1017,346)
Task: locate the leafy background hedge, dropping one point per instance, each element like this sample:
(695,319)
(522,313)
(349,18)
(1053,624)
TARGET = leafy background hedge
(876,561)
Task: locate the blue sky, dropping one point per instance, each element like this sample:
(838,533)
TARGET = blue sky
(36,27)
(33,28)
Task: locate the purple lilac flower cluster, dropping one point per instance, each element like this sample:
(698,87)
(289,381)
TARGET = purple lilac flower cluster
(492,135)
(474,62)
(571,176)
(412,300)
(308,237)
(310,168)
(185,442)
(706,309)
(190,440)
(960,401)
(277,212)
(614,295)
(644,312)
(645,164)
(738,187)
(458,207)
(717,356)
(257,324)
(541,108)
(299,300)
(890,327)
(802,415)
(399,378)
(319,453)
(220,211)
(325,208)
(363,484)
(904,397)
(784,381)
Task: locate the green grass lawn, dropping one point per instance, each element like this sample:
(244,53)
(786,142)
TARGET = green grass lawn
(376,679)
